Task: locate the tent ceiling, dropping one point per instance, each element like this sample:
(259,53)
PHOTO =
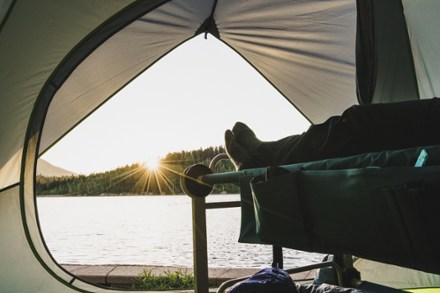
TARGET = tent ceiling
(120,59)
(304,48)
(81,53)
(35,37)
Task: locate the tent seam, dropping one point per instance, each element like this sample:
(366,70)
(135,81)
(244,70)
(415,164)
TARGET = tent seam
(9,187)
(8,13)
(207,26)
(25,224)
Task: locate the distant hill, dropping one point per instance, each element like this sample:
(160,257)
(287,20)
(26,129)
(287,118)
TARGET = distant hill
(47,169)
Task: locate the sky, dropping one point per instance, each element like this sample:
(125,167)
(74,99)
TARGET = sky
(185,101)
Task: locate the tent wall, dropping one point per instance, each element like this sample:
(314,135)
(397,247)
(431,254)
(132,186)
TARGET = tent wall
(315,69)
(386,53)
(394,276)
(57,29)
(20,270)
(60,60)
(396,50)
(5,7)
(28,62)
(422,22)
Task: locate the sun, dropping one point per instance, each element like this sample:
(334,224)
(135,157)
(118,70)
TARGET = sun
(152,163)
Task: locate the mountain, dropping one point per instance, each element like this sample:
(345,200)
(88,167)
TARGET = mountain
(47,169)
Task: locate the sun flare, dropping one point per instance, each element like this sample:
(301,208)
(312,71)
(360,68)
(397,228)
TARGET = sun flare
(152,163)
(154,177)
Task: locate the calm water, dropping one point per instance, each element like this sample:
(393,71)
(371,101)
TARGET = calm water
(148,230)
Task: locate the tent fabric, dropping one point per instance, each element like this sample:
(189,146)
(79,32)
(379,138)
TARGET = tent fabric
(117,61)
(27,62)
(394,43)
(61,60)
(4,8)
(20,270)
(96,78)
(385,59)
(421,29)
(10,172)
(395,276)
(323,59)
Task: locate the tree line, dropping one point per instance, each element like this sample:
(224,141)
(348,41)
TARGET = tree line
(138,178)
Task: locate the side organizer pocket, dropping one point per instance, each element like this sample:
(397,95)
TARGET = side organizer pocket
(248,230)
(415,208)
(279,219)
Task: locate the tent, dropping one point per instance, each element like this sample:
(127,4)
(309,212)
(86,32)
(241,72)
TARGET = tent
(61,60)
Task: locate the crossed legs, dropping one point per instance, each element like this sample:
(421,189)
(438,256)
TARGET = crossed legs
(360,129)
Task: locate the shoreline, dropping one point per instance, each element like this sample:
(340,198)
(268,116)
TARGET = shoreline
(123,276)
(123,194)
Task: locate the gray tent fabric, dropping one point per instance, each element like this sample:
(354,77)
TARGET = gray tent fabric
(394,40)
(386,69)
(332,71)
(61,60)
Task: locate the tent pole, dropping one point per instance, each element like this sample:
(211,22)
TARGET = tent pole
(200,247)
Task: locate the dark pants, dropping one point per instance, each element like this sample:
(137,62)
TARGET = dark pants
(365,128)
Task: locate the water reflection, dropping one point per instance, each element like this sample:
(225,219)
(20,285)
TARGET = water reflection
(147,230)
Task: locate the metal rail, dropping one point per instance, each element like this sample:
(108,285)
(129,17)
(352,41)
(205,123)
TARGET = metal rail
(233,177)
(200,243)
(198,183)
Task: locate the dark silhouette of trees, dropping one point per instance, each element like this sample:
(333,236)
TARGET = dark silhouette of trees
(137,178)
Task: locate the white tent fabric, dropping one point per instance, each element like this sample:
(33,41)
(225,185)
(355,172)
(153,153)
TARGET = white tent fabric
(60,60)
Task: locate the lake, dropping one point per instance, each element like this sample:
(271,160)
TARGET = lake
(148,230)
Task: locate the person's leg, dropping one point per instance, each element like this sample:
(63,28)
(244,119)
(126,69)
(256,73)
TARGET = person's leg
(360,129)
(241,157)
(393,126)
(247,151)
(328,139)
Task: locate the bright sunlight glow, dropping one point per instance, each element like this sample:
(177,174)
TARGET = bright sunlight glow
(152,163)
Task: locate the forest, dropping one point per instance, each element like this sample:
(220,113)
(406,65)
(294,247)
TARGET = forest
(137,179)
